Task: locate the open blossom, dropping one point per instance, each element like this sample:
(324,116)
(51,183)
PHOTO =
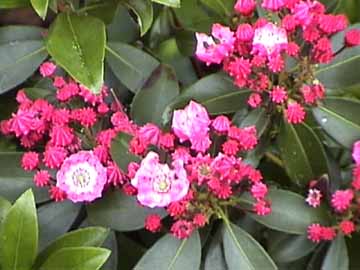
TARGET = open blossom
(314,197)
(192,123)
(82,177)
(210,51)
(269,40)
(157,184)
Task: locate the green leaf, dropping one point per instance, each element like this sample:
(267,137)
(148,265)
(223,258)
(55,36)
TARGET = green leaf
(120,151)
(19,234)
(36,93)
(171,253)
(302,153)
(79,51)
(289,212)
(122,28)
(150,102)
(55,219)
(40,7)
(192,16)
(244,252)
(170,3)
(287,248)
(87,237)
(14,3)
(215,258)
(77,258)
(216,92)
(338,117)
(353,245)
(14,180)
(111,244)
(120,212)
(337,256)
(342,71)
(104,10)
(258,118)
(144,12)
(4,209)
(130,65)
(21,49)
(223,8)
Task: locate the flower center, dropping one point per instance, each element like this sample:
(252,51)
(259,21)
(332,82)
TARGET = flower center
(204,170)
(161,183)
(81,177)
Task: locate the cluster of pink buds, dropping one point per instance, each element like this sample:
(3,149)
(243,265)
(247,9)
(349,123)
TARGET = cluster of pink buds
(255,50)
(194,169)
(66,136)
(345,204)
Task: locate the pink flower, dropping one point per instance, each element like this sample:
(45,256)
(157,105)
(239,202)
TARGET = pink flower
(341,199)
(149,133)
(114,175)
(54,156)
(67,91)
(295,113)
(153,223)
(230,147)
(328,233)
(85,116)
(157,184)
(259,190)
(254,100)
(352,38)
(347,227)
(245,32)
(314,197)
(23,122)
(192,123)
(182,229)
(240,69)
(61,135)
(59,81)
(262,208)
(315,232)
(356,152)
(273,5)
(57,194)
(209,51)
(221,123)
(245,7)
(82,177)
(42,178)
(47,69)
(269,40)
(176,209)
(30,161)
(200,220)
(278,94)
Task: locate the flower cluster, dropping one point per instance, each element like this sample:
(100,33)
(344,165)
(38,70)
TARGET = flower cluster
(65,136)
(255,52)
(345,205)
(194,170)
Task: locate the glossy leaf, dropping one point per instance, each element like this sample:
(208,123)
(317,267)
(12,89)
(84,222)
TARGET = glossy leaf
(302,153)
(122,28)
(221,7)
(339,118)
(79,51)
(40,7)
(87,237)
(14,180)
(215,258)
(289,212)
(144,12)
(111,244)
(14,3)
(158,92)
(19,234)
(22,51)
(77,258)
(104,10)
(120,151)
(119,212)
(170,3)
(171,253)
(337,255)
(288,248)
(216,92)
(55,219)
(4,209)
(342,72)
(130,65)
(244,252)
